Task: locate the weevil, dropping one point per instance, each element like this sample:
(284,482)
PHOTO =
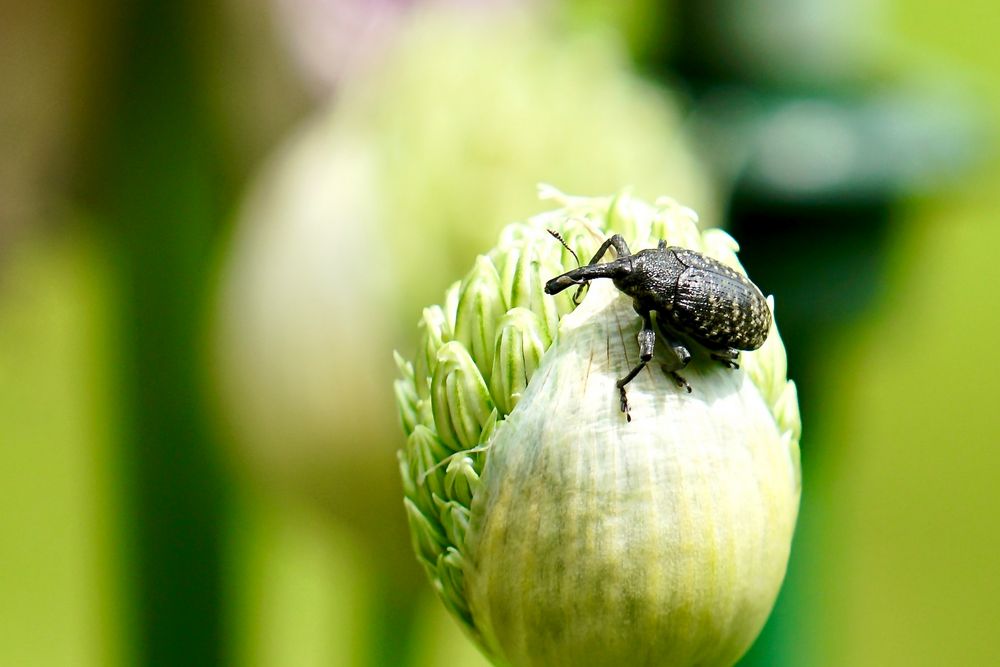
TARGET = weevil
(694,297)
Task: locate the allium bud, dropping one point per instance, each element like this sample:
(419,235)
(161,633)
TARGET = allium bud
(555,530)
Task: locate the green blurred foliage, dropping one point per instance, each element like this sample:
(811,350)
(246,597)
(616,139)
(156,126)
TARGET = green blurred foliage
(912,501)
(908,498)
(644,26)
(299,591)
(61,568)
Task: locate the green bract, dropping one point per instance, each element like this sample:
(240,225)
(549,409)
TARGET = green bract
(557,532)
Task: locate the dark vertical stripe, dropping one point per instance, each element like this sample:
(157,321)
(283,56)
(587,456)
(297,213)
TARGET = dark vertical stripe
(156,178)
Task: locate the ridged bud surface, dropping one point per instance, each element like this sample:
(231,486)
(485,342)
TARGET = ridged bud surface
(597,541)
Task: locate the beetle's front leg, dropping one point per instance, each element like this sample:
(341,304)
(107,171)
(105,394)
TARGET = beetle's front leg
(647,341)
(729,357)
(617,242)
(583,274)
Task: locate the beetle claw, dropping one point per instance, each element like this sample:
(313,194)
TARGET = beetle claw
(677,377)
(729,358)
(624,404)
(681,382)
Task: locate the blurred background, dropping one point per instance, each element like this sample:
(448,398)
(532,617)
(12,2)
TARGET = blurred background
(217,219)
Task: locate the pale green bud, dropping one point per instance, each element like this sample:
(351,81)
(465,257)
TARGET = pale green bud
(520,343)
(423,453)
(428,539)
(433,332)
(406,394)
(558,532)
(455,520)
(451,299)
(461,480)
(460,401)
(480,307)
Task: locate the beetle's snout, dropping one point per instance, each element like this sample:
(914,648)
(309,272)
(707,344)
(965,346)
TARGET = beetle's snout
(559,283)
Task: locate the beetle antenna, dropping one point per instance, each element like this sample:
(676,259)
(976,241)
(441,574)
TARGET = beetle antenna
(557,237)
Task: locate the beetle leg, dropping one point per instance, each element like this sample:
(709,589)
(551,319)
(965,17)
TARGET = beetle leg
(617,242)
(729,357)
(582,274)
(678,379)
(647,340)
(683,356)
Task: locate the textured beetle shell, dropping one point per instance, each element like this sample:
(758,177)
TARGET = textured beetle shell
(717,306)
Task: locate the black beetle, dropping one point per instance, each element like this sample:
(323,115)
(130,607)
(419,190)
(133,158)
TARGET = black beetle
(693,296)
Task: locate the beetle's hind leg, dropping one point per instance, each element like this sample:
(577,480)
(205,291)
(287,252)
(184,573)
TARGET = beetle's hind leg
(683,356)
(647,341)
(680,352)
(730,357)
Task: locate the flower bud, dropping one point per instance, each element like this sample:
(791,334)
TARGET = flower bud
(432,336)
(460,401)
(480,307)
(554,529)
(521,340)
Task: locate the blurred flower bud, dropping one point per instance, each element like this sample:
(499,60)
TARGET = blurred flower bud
(375,205)
(555,530)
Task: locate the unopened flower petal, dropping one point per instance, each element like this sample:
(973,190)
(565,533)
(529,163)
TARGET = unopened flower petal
(460,401)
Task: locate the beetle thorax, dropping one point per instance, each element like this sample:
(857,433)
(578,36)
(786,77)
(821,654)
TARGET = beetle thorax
(652,281)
